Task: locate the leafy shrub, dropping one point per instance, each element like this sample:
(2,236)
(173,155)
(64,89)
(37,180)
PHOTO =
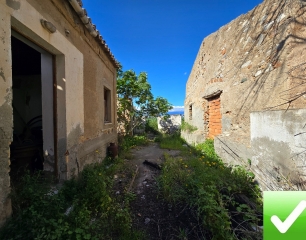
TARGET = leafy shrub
(207,148)
(210,188)
(151,125)
(83,208)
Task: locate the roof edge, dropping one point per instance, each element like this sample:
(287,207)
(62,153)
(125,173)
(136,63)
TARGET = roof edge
(77,5)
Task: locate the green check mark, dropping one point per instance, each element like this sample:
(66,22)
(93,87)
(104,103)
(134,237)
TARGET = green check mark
(284,226)
(284,215)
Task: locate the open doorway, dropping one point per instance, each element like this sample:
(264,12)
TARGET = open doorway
(33,133)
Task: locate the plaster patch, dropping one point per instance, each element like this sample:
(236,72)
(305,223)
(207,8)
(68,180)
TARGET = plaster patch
(226,124)
(270,154)
(13,4)
(74,135)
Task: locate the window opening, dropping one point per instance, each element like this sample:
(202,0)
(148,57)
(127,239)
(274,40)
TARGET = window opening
(107,105)
(190,112)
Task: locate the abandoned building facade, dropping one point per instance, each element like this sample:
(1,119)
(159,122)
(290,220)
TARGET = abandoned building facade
(247,91)
(57,91)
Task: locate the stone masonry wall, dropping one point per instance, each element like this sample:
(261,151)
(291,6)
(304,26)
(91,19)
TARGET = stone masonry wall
(256,63)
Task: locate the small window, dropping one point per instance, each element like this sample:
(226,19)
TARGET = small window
(190,112)
(107,105)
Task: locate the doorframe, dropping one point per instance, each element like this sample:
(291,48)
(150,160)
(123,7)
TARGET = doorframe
(32,44)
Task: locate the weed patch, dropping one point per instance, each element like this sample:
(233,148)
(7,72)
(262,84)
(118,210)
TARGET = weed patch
(214,191)
(188,127)
(128,142)
(83,208)
(174,142)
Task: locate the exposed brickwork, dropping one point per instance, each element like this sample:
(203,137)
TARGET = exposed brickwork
(214,125)
(257,63)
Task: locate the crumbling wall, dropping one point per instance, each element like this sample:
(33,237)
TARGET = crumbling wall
(169,125)
(255,63)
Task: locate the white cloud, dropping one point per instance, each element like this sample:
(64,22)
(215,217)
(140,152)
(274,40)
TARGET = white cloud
(177,108)
(185,73)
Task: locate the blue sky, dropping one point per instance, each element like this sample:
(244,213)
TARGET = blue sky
(162,37)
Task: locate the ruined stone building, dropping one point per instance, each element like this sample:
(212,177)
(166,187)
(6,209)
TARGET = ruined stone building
(57,91)
(247,91)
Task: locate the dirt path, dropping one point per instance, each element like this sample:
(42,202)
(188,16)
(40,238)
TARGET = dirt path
(151,214)
(152,153)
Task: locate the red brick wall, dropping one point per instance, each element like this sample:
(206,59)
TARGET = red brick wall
(214,125)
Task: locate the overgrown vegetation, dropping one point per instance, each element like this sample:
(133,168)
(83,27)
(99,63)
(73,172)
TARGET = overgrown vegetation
(136,101)
(152,125)
(83,208)
(172,142)
(127,142)
(226,199)
(188,127)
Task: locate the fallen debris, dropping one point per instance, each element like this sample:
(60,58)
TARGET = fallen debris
(131,184)
(155,165)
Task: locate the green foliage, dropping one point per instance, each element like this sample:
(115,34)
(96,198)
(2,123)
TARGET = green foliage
(207,149)
(128,142)
(136,101)
(172,142)
(188,127)
(151,125)
(201,180)
(83,208)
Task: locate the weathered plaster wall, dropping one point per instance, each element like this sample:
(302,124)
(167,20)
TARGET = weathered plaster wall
(256,62)
(83,86)
(69,69)
(83,69)
(278,141)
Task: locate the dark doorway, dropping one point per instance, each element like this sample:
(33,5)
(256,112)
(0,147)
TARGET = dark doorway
(27,145)
(33,134)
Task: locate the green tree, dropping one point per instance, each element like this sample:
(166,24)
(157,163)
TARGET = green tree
(136,101)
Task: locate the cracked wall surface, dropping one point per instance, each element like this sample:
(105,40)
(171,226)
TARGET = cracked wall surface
(257,64)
